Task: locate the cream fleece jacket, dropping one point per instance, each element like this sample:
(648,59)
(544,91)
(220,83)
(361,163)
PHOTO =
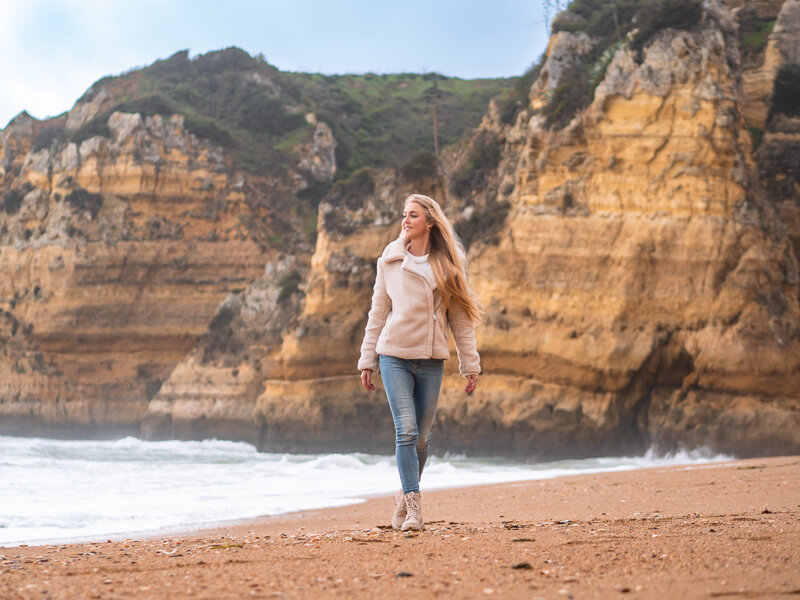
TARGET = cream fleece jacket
(407,318)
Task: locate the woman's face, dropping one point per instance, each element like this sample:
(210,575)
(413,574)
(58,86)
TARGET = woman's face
(415,221)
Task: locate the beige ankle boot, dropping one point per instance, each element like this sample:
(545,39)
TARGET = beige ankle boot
(399,515)
(413,520)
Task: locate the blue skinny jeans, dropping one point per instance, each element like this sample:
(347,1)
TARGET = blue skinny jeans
(412,387)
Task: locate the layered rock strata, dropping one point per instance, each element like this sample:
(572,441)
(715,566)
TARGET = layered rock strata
(286,372)
(645,289)
(116,254)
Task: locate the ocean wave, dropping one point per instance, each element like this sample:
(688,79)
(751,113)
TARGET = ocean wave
(71,489)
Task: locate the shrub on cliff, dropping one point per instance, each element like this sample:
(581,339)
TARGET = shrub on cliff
(482,159)
(174,66)
(315,192)
(421,166)
(753,31)
(289,285)
(573,93)
(95,127)
(51,135)
(597,18)
(484,225)
(352,191)
(147,106)
(223,318)
(209,130)
(611,21)
(263,114)
(220,338)
(664,14)
(227,60)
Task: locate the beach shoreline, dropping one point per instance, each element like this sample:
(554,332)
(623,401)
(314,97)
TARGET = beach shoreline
(714,530)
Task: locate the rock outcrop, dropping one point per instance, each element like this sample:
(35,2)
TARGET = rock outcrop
(645,288)
(116,255)
(321,160)
(285,374)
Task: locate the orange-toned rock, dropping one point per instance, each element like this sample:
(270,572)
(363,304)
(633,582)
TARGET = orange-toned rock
(116,257)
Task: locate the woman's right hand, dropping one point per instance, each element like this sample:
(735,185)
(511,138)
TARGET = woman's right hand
(366,379)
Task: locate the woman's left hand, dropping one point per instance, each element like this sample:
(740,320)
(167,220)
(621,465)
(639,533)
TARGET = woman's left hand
(472,383)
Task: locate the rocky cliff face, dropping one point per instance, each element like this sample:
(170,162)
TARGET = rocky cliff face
(116,254)
(638,265)
(645,288)
(288,380)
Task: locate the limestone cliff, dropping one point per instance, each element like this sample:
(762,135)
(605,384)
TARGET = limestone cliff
(645,288)
(160,233)
(292,386)
(642,289)
(116,254)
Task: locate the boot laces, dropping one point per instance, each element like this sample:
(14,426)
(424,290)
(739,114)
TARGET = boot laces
(412,504)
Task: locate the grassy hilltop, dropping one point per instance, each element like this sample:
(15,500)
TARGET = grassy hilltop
(258,113)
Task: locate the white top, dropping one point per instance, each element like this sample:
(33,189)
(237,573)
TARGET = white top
(420,265)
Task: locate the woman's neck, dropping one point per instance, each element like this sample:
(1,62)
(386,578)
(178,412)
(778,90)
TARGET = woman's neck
(420,246)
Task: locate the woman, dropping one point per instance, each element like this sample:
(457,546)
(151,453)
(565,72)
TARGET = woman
(420,292)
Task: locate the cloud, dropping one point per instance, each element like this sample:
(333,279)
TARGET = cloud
(56,49)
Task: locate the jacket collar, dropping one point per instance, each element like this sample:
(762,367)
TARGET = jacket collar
(396,250)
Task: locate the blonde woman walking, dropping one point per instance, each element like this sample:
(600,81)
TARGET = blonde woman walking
(420,293)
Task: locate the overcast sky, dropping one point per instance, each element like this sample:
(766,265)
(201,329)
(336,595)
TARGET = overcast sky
(53,50)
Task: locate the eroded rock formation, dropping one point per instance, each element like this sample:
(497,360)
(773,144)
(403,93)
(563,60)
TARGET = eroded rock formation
(116,254)
(645,288)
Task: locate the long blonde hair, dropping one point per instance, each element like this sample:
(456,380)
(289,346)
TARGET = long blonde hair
(447,259)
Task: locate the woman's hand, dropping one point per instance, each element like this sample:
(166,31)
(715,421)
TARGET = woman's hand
(366,379)
(472,383)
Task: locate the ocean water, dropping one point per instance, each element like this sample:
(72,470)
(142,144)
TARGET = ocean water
(59,491)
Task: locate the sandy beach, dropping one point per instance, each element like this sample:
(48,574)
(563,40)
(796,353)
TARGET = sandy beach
(723,530)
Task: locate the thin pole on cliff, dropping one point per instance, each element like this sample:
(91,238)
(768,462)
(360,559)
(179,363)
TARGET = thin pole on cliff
(432,94)
(616,22)
(435,132)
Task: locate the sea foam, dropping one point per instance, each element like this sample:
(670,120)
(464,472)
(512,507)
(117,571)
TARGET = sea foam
(58,491)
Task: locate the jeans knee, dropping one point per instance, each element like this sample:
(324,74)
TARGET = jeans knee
(406,436)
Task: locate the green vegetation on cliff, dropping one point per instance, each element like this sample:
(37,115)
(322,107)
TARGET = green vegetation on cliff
(258,113)
(610,25)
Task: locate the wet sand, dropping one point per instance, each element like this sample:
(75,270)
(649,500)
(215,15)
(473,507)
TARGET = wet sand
(724,530)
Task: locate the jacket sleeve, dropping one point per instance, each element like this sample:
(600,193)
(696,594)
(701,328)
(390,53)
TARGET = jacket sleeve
(381,306)
(469,361)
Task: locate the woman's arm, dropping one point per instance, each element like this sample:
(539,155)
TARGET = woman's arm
(381,305)
(469,361)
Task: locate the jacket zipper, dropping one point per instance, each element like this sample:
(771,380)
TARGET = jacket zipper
(430,291)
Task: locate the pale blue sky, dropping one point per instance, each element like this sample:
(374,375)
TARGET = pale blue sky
(53,50)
